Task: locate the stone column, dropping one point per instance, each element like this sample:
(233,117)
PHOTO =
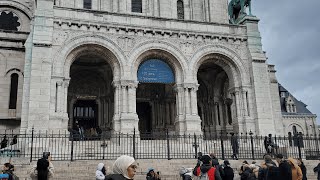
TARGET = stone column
(128,117)
(192,120)
(245,105)
(179,121)
(59,97)
(187,100)
(65,102)
(116,115)
(237,98)
(194,108)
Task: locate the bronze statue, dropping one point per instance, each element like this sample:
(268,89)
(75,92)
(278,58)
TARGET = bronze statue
(237,9)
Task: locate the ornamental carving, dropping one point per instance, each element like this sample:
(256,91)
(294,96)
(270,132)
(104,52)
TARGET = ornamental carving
(126,43)
(60,37)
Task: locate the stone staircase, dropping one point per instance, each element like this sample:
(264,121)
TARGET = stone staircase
(85,170)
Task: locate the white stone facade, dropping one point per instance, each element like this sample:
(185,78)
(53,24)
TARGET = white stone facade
(59,33)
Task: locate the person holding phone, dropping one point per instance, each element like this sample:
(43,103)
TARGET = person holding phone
(44,169)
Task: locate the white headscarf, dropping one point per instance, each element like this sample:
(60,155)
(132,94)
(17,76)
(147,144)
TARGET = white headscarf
(121,165)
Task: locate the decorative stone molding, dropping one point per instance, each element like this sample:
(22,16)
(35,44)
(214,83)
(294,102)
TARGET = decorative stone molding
(156,33)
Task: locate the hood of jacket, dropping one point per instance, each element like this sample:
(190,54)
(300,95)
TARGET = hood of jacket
(215,162)
(100,166)
(205,168)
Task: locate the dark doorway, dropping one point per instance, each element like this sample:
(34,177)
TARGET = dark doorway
(144,112)
(85,114)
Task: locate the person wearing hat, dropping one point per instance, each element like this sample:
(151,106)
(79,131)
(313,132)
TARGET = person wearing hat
(285,172)
(228,171)
(206,171)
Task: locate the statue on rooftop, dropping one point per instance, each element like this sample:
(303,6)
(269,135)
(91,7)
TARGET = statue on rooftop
(237,10)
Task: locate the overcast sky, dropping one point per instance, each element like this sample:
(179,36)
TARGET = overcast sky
(290,31)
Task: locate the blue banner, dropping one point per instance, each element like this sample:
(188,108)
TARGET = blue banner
(155,71)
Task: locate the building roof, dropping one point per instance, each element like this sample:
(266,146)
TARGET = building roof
(300,106)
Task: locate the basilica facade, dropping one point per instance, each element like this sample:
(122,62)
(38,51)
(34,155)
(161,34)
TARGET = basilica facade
(182,66)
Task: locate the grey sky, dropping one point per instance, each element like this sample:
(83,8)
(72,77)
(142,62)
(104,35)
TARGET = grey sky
(290,31)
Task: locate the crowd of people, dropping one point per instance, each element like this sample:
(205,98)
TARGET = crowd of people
(207,168)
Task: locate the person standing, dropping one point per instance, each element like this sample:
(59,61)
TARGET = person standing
(296,171)
(228,171)
(101,172)
(285,172)
(303,169)
(7,172)
(43,170)
(268,170)
(235,146)
(124,168)
(317,170)
(206,171)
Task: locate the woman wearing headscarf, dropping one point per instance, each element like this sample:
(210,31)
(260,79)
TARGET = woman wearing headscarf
(43,170)
(296,171)
(124,168)
(101,172)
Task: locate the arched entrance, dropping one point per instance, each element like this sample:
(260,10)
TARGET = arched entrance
(156,106)
(90,93)
(214,100)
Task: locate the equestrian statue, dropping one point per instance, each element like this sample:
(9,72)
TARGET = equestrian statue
(237,10)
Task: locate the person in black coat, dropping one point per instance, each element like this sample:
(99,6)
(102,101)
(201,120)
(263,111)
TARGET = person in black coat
(268,170)
(235,146)
(228,171)
(285,172)
(317,170)
(303,169)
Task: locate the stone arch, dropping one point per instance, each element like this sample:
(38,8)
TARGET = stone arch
(166,50)
(14,70)
(17,5)
(298,126)
(70,50)
(226,58)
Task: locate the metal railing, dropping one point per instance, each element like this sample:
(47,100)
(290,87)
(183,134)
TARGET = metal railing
(65,146)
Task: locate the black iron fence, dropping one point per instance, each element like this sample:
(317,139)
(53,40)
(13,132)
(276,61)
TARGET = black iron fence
(66,146)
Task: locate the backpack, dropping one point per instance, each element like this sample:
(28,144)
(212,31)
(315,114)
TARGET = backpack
(204,176)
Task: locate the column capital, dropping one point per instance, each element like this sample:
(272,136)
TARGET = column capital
(178,87)
(234,90)
(66,82)
(116,84)
(59,83)
(193,86)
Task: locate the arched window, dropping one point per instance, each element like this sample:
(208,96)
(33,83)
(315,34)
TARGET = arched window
(13,91)
(136,6)
(87,4)
(180,9)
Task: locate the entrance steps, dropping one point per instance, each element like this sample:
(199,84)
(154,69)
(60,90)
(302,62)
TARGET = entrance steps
(169,169)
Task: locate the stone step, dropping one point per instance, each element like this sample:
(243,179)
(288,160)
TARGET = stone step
(169,169)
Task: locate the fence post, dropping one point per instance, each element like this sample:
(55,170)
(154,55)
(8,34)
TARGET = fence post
(134,143)
(195,146)
(222,146)
(31,144)
(252,147)
(72,139)
(168,145)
